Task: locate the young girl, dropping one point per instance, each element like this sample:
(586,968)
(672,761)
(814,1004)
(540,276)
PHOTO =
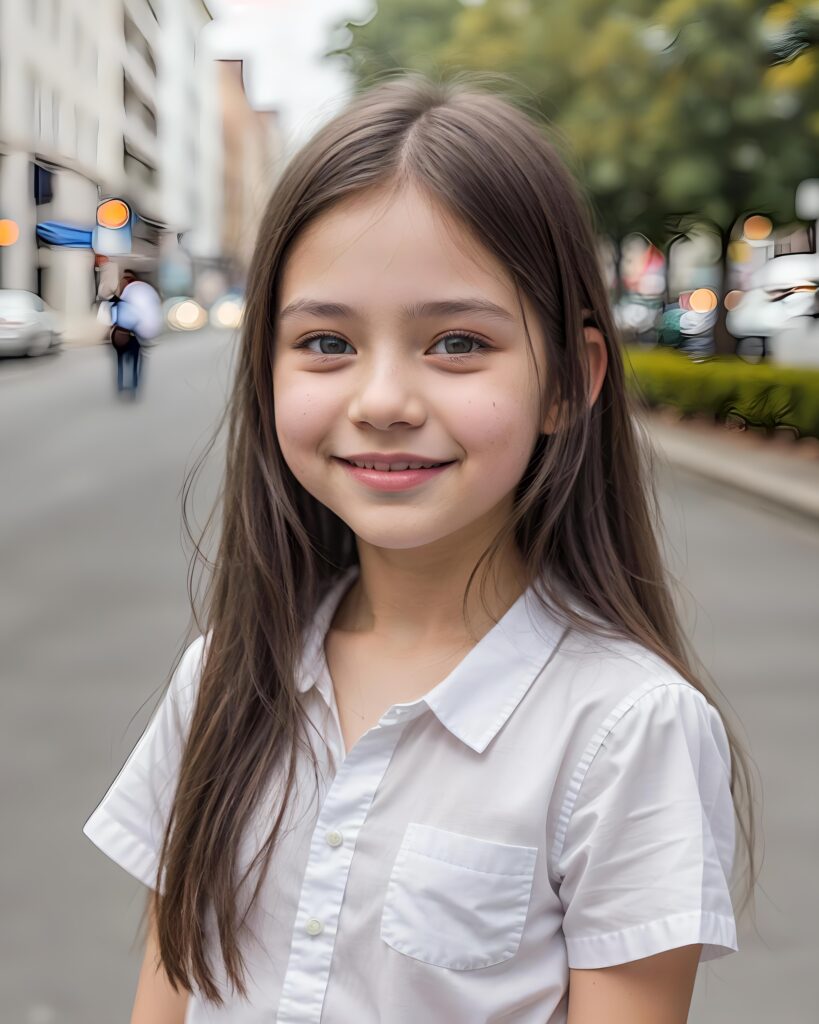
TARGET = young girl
(440,755)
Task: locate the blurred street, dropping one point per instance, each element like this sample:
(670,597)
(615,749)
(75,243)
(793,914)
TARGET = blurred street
(93,607)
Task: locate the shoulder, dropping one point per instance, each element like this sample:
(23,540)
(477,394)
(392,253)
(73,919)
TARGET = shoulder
(592,672)
(622,705)
(184,683)
(600,679)
(657,720)
(140,291)
(614,683)
(190,664)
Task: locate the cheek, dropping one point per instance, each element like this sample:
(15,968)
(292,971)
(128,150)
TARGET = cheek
(298,433)
(500,428)
(299,415)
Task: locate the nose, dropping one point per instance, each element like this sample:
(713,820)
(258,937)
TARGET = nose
(386,395)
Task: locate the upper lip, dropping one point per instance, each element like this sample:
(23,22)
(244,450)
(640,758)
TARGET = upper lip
(391,457)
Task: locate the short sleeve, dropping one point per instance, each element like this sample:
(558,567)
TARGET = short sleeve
(645,841)
(129,823)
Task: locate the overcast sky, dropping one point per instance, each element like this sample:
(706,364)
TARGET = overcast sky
(281,42)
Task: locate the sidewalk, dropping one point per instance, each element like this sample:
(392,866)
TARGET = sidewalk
(777,469)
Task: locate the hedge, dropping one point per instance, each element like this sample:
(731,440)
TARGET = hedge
(762,394)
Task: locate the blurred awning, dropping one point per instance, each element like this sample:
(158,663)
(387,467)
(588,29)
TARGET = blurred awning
(54,233)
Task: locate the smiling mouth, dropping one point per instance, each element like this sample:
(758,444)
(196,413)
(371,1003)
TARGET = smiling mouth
(398,467)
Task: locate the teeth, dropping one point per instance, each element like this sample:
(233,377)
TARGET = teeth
(386,467)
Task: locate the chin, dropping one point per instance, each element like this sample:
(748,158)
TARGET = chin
(393,545)
(396,538)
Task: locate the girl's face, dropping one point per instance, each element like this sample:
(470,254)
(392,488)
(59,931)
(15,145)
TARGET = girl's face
(396,334)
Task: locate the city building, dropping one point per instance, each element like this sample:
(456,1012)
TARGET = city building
(99,100)
(190,146)
(253,152)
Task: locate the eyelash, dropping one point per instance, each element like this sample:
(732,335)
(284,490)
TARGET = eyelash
(460,357)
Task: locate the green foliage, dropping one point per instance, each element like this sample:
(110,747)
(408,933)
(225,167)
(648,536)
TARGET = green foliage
(403,35)
(764,395)
(666,108)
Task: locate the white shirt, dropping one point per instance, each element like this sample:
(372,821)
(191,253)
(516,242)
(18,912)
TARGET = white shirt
(140,310)
(556,801)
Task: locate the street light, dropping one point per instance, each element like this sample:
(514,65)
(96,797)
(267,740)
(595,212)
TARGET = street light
(757,228)
(703,300)
(113,213)
(9,232)
(112,234)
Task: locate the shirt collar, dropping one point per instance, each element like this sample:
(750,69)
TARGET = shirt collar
(476,699)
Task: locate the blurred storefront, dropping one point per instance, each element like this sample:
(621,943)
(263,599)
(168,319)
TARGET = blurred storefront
(101,100)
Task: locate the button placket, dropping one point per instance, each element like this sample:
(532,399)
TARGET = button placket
(347,800)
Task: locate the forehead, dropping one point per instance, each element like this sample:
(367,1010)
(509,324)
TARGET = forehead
(382,247)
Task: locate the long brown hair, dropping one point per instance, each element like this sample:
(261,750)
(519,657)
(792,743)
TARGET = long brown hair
(585,508)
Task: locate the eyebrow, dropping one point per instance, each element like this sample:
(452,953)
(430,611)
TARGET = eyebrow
(412,311)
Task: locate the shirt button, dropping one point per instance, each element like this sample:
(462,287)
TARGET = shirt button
(334,838)
(314,926)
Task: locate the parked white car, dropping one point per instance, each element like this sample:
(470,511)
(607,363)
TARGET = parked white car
(28,327)
(784,288)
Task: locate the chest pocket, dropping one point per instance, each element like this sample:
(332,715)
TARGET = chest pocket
(456,901)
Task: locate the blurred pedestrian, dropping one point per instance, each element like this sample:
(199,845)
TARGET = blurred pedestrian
(136,316)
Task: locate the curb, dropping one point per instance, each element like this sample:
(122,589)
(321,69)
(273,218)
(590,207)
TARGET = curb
(776,477)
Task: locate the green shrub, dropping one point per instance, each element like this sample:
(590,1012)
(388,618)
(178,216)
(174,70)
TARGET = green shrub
(762,394)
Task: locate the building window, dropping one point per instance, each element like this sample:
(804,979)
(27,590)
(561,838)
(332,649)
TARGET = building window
(92,128)
(136,108)
(135,40)
(43,185)
(136,168)
(37,110)
(45,113)
(76,133)
(56,111)
(28,99)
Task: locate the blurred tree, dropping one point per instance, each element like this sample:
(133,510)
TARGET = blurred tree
(398,34)
(670,113)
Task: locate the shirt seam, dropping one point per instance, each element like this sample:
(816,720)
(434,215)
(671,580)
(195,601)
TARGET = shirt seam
(593,748)
(714,932)
(699,915)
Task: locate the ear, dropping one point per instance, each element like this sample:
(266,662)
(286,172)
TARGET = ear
(597,360)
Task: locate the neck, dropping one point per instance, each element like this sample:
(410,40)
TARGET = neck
(407,598)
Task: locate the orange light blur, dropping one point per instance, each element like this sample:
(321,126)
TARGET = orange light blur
(733,299)
(739,252)
(9,232)
(113,213)
(703,300)
(757,228)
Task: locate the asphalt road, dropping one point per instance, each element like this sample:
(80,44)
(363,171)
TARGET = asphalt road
(93,608)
